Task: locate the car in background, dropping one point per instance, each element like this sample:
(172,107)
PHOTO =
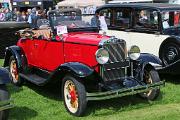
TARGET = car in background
(88,65)
(154,27)
(7,32)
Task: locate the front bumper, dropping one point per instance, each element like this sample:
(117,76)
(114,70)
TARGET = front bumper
(6,104)
(123,92)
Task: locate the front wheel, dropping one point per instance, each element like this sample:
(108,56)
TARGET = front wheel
(13,72)
(169,53)
(74,96)
(4,95)
(150,77)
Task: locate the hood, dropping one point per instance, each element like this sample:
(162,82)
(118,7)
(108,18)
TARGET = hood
(85,38)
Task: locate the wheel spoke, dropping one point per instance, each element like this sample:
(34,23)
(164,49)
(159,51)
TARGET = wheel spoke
(71,96)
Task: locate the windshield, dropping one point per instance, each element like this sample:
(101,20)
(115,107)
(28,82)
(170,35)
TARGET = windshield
(170,19)
(73,21)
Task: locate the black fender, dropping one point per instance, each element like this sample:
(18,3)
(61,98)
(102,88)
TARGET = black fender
(16,52)
(151,59)
(146,61)
(86,75)
(4,76)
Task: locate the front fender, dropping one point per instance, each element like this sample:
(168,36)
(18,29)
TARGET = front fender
(4,76)
(16,52)
(146,61)
(77,69)
(151,59)
(84,74)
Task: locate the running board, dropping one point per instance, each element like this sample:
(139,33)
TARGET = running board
(34,79)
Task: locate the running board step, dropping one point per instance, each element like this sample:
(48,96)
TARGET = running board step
(34,79)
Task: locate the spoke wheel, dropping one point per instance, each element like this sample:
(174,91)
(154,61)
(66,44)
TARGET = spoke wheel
(13,72)
(149,77)
(74,96)
(71,96)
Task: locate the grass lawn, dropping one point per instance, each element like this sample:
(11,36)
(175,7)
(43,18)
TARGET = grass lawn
(44,103)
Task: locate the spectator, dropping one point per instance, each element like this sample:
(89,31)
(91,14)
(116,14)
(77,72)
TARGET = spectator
(95,20)
(2,15)
(14,14)
(32,19)
(8,15)
(23,16)
(143,18)
(50,9)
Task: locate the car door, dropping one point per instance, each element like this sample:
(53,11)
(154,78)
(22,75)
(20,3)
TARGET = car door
(28,47)
(49,54)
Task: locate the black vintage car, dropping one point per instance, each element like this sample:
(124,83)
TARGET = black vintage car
(154,27)
(5,102)
(7,32)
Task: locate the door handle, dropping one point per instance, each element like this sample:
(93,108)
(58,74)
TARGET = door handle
(35,45)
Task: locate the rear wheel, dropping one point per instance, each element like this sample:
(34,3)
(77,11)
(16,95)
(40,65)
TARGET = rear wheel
(149,77)
(74,96)
(4,95)
(170,53)
(13,72)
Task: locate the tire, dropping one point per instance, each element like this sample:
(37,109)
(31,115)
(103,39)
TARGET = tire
(13,72)
(149,77)
(169,53)
(4,95)
(74,96)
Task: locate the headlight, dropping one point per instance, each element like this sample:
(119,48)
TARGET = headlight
(134,52)
(102,56)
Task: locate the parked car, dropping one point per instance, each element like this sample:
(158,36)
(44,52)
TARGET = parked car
(154,27)
(89,65)
(7,30)
(5,102)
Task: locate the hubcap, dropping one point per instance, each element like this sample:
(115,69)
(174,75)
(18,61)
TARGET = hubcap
(172,52)
(71,96)
(14,71)
(171,55)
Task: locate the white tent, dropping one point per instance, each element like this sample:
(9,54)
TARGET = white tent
(81,3)
(129,1)
(86,6)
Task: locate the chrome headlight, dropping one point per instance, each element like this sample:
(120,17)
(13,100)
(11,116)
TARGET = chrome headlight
(102,56)
(134,52)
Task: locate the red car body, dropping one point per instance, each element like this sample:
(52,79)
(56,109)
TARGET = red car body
(75,47)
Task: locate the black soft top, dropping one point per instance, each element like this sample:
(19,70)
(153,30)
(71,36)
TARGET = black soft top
(157,6)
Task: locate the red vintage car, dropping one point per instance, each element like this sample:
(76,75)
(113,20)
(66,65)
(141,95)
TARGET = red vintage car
(89,65)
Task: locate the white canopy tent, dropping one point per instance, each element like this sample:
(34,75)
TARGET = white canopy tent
(77,3)
(86,6)
(129,1)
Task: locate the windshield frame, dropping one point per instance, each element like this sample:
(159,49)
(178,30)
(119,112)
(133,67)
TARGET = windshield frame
(85,28)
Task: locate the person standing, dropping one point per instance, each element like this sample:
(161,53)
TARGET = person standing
(32,19)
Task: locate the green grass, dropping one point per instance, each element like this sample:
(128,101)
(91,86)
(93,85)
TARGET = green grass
(44,103)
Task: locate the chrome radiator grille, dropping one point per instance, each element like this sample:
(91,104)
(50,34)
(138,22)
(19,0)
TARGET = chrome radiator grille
(114,69)
(117,51)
